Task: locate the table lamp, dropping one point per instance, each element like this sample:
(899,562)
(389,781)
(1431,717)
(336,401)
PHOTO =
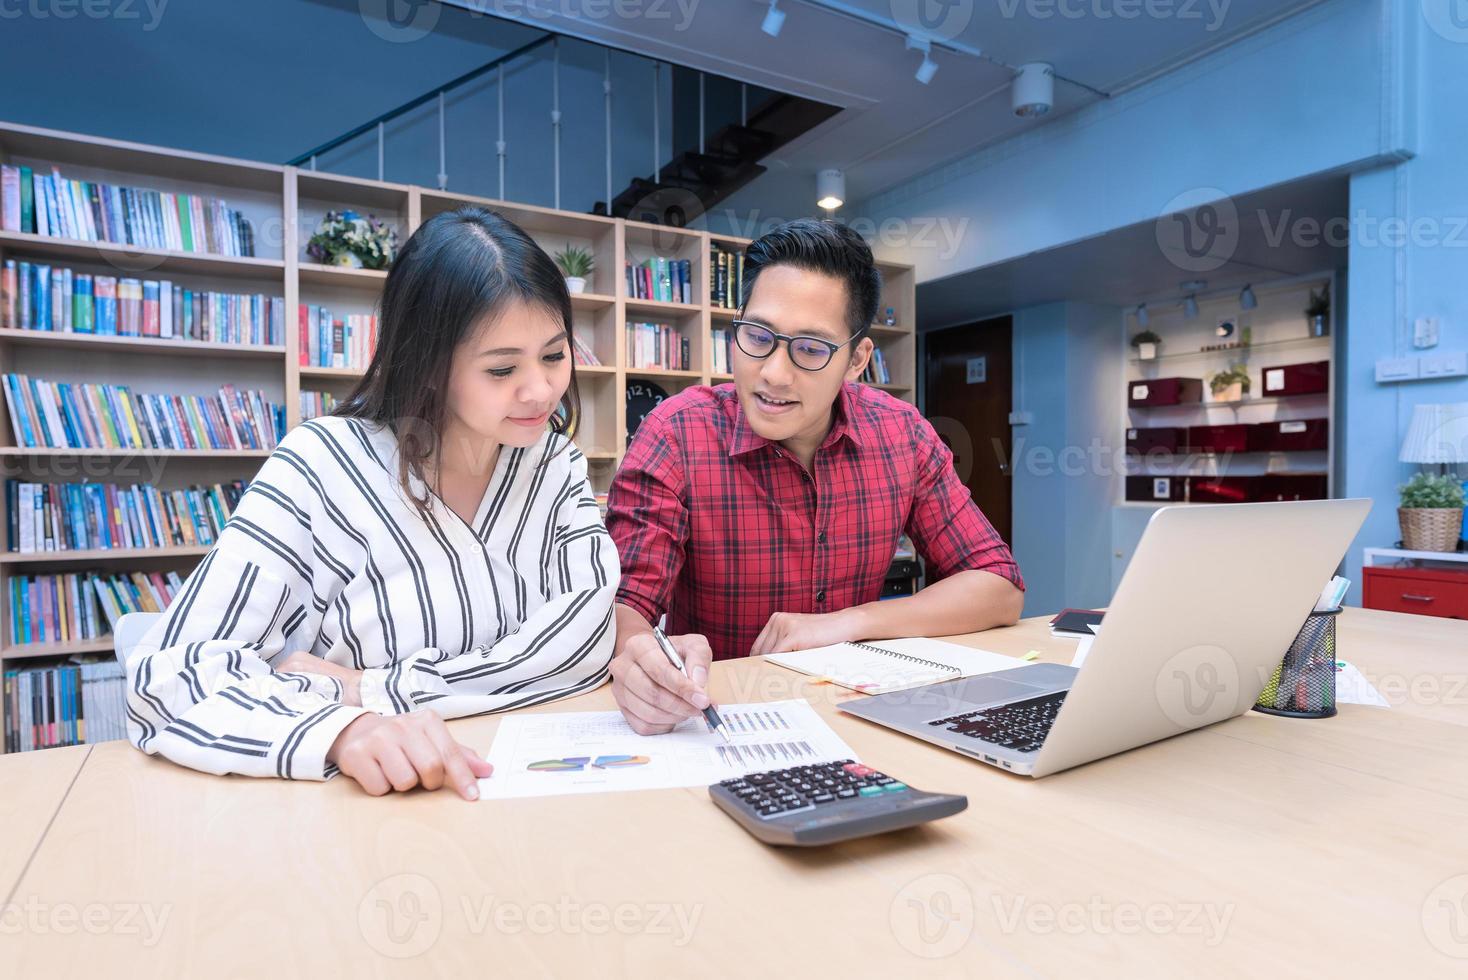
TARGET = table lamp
(1438,434)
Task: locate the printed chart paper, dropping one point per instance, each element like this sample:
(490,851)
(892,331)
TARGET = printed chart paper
(598,752)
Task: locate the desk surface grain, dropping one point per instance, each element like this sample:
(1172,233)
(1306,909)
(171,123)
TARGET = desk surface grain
(1258,845)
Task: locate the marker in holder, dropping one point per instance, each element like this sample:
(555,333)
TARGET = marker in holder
(1303,685)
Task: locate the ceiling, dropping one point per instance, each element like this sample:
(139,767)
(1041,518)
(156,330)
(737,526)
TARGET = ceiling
(1283,232)
(850,53)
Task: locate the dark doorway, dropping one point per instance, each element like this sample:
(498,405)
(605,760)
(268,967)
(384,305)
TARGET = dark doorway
(969,393)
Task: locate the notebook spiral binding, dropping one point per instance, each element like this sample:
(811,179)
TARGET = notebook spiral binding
(905,656)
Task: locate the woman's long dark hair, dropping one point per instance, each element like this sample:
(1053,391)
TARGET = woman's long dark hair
(458,268)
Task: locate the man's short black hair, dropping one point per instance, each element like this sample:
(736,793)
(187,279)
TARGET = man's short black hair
(820,246)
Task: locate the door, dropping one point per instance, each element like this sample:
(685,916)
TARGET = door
(969,392)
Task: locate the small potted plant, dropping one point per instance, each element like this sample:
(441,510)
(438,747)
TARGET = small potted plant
(1431,512)
(1317,312)
(1230,385)
(1146,344)
(347,239)
(576,264)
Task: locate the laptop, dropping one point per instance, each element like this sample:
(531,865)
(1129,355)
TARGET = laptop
(1212,599)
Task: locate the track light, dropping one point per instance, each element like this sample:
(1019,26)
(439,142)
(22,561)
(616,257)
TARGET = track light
(1247,299)
(830,189)
(1142,316)
(1033,91)
(1190,308)
(774,20)
(928,68)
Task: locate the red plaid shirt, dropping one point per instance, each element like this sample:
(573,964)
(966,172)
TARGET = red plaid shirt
(719,528)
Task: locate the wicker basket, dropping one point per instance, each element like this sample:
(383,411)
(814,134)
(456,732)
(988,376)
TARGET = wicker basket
(1430,528)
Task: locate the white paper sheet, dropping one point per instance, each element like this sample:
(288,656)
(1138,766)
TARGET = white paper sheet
(1352,687)
(598,752)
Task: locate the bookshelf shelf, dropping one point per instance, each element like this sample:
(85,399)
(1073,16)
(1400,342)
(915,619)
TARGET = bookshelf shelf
(16,451)
(294,200)
(91,555)
(130,260)
(662,373)
(338,275)
(141,345)
(24,651)
(329,373)
(654,307)
(592,301)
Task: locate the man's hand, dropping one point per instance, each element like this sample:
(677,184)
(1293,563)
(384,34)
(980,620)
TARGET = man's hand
(651,692)
(402,751)
(302,662)
(805,631)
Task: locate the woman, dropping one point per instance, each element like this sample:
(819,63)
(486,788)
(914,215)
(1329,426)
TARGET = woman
(432,550)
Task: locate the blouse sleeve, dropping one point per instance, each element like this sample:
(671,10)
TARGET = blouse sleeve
(200,690)
(560,649)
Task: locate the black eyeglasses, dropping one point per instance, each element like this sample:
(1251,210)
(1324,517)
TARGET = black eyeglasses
(806,353)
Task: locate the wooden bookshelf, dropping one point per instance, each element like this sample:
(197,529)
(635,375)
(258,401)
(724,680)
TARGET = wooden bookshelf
(284,205)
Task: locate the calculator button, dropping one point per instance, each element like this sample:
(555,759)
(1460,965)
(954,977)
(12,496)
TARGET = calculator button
(870,790)
(823,797)
(846,793)
(895,787)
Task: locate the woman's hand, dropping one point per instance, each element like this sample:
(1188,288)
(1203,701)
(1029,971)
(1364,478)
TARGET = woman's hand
(399,752)
(302,662)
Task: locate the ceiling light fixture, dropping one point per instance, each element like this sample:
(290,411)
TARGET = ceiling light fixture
(1033,91)
(774,20)
(830,189)
(928,68)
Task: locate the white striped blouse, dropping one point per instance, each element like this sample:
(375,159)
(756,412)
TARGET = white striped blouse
(326,554)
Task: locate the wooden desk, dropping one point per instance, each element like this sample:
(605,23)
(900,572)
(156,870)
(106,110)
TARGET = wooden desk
(32,786)
(1261,845)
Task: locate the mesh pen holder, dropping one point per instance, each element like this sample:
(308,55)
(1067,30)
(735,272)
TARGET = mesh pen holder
(1303,685)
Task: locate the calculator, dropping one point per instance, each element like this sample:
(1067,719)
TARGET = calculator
(827,802)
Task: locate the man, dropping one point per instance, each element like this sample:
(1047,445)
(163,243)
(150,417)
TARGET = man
(762,516)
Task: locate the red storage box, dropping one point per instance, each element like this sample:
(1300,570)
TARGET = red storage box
(1218,438)
(1155,488)
(1165,391)
(1299,435)
(1161,439)
(1297,379)
(1295,486)
(1226,489)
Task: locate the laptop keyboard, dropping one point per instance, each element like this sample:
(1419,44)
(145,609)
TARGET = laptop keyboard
(1019,725)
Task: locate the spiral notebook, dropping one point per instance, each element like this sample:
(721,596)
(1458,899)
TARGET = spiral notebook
(893,665)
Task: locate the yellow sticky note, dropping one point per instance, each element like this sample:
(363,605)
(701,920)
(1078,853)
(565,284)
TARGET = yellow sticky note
(1032,655)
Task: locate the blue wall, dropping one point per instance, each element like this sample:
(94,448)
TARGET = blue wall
(1068,378)
(1389,287)
(1362,87)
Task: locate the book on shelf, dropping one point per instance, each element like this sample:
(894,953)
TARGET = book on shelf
(583,354)
(38,296)
(723,350)
(85,211)
(69,704)
(877,371)
(327,340)
(61,415)
(317,403)
(62,517)
(726,276)
(667,280)
(68,607)
(658,346)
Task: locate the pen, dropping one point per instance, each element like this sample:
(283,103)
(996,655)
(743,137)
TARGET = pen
(710,715)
